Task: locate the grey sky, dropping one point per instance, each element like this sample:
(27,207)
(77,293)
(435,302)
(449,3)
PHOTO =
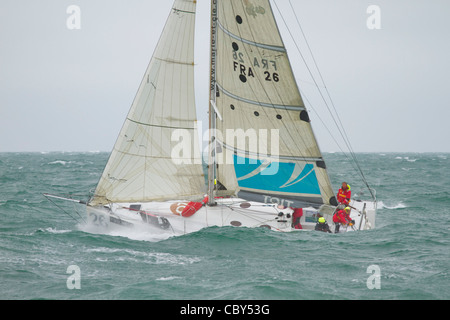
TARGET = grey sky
(70,90)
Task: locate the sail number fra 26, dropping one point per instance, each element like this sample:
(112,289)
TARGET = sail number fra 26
(269,66)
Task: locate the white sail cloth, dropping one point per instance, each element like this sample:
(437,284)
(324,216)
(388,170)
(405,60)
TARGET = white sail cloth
(142,166)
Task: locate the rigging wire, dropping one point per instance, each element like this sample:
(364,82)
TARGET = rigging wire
(66,212)
(345,136)
(336,118)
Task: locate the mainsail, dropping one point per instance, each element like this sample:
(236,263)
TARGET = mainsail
(142,166)
(266,149)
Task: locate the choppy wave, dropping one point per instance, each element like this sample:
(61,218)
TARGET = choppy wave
(53,230)
(382,205)
(62,162)
(111,254)
(168,278)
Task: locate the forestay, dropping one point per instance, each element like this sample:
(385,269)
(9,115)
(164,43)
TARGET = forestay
(267,149)
(142,166)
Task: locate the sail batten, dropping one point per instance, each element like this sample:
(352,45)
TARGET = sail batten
(259,103)
(253,43)
(160,126)
(175,61)
(268,155)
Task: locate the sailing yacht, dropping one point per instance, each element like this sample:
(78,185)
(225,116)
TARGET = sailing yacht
(264,166)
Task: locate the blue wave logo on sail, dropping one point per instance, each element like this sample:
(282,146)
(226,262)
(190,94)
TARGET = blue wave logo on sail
(276,176)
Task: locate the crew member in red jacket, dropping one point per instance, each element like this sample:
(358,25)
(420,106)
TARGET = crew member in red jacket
(296,216)
(344,194)
(342,217)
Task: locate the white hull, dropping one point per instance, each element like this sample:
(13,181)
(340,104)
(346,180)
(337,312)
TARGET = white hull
(164,218)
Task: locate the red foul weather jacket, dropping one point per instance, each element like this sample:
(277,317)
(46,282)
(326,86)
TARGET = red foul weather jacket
(341,217)
(344,196)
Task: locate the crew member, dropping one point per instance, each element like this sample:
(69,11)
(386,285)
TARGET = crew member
(342,217)
(344,194)
(322,225)
(296,216)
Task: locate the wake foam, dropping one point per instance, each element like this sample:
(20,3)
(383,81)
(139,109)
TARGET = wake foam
(137,232)
(53,230)
(382,205)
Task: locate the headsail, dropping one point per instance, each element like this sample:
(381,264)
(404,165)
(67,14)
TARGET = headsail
(142,166)
(267,149)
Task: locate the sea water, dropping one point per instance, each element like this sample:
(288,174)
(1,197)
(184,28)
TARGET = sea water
(46,252)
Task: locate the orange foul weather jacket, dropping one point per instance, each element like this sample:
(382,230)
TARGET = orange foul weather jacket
(344,196)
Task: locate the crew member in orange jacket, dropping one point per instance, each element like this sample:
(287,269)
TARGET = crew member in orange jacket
(344,194)
(342,217)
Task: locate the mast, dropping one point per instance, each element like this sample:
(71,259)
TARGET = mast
(212,113)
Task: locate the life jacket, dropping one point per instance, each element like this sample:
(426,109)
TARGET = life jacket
(344,196)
